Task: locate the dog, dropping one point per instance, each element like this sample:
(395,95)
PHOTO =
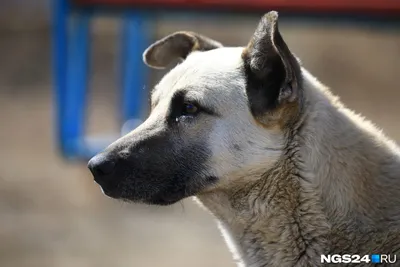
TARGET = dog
(290,173)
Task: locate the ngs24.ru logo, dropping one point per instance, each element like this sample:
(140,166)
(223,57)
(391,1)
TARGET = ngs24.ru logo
(354,258)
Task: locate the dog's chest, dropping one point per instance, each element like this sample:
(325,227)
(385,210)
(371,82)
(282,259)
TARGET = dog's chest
(255,246)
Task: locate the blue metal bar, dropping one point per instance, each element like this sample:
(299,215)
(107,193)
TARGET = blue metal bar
(134,72)
(74,119)
(59,40)
(71,44)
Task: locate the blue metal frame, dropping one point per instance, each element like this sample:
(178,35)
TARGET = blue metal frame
(71,50)
(73,120)
(133,44)
(59,34)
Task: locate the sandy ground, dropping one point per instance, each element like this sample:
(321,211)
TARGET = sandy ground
(51,213)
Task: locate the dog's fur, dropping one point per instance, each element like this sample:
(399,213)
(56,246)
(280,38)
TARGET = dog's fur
(288,171)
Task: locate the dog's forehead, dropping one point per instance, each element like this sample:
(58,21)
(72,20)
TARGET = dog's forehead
(216,71)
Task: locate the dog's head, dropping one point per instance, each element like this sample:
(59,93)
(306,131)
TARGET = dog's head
(217,117)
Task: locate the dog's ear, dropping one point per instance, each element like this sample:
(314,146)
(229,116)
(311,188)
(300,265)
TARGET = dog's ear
(176,46)
(273,73)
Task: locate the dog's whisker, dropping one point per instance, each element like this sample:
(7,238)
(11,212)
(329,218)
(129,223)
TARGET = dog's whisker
(182,206)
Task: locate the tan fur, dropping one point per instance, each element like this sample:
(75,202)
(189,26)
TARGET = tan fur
(333,187)
(335,190)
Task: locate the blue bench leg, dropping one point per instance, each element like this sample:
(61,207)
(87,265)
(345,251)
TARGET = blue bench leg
(70,55)
(59,36)
(77,82)
(134,72)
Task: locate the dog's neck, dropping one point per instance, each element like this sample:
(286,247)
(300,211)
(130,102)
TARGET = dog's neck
(285,217)
(356,168)
(275,220)
(272,221)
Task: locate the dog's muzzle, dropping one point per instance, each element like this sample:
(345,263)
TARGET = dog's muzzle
(157,169)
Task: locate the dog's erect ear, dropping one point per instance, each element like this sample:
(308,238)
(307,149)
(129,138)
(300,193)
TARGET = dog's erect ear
(273,73)
(176,46)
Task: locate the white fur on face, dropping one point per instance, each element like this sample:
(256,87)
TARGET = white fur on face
(216,79)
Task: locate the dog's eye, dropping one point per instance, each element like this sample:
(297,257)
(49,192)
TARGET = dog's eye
(189,109)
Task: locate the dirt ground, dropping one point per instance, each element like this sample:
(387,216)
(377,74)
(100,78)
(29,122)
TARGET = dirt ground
(52,214)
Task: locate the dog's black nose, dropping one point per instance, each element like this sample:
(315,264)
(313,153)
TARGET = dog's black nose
(101,166)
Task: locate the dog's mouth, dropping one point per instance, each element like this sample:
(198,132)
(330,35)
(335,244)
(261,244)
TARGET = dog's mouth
(160,201)
(152,195)
(162,198)
(107,192)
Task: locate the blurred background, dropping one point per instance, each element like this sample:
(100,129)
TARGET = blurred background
(51,212)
